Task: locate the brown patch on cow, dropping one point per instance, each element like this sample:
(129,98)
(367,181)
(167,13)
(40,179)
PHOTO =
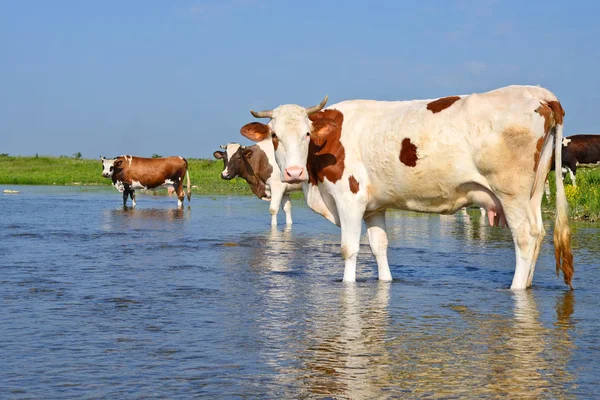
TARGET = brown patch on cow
(255,131)
(326,153)
(354,185)
(408,153)
(275,142)
(538,151)
(553,114)
(441,104)
(559,112)
(546,112)
(254,168)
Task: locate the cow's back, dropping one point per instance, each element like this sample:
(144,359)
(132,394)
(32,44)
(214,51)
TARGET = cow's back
(429,148)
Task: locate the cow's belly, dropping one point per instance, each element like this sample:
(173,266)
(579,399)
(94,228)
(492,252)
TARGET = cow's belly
(167,183)
(432,191)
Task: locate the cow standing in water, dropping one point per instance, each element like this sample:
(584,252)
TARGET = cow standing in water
(256,165)
(360,157)
(129,173)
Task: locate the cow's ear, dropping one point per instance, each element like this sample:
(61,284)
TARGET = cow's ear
(218,155)
(255,131)
(248,153)
(118,163)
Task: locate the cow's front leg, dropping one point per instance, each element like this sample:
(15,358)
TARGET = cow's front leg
(287,208)
(132,195)
(276,196)
(351,224)
(379,243)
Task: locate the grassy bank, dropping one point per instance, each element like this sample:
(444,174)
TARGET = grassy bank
(205,175)
(584,200)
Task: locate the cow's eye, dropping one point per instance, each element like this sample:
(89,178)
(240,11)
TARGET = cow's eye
(307,134)
(274,135)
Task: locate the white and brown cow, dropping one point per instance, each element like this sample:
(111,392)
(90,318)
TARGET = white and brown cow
(256,165)
(576,150)
(580,149)
(129,173)
(360,157)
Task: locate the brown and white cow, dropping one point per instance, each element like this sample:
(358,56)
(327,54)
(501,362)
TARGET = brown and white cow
(359,157)
(256,165)
(129,173)
(576,150)
(580,149)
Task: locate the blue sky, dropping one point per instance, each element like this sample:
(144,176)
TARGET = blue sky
(179,77)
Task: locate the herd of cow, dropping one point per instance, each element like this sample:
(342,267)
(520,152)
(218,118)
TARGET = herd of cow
(356,158)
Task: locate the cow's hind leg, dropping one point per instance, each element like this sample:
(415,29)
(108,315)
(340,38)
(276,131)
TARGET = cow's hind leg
(526,236)
(379,243)
(132,195)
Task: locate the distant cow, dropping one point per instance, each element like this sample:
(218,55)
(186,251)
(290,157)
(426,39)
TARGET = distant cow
(360,157)
(129,173)
(256,165)
(580,149)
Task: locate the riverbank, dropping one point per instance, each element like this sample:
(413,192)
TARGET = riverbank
(205,175)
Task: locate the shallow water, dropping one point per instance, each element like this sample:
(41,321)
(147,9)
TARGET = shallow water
(208,301)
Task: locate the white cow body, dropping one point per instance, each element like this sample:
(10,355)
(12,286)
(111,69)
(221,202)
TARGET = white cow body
(430,156)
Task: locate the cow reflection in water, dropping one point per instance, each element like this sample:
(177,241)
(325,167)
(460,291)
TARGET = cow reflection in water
(132,217)
(520,367)
(342,353)
(363,351)
(275,250)
(350,360)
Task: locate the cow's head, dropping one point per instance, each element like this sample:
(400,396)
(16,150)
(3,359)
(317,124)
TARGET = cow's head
(290,129)
(109,165)
(233,159)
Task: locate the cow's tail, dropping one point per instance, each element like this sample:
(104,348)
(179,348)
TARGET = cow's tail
(562,232)
(189,187)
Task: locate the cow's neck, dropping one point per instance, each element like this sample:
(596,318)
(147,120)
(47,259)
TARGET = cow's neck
(251,174)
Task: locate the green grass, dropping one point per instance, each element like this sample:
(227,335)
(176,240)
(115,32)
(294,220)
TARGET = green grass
(205,175)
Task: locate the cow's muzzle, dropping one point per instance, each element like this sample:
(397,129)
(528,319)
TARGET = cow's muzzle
(295,174)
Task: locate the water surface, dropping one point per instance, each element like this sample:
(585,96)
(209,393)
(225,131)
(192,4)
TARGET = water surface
(99,301)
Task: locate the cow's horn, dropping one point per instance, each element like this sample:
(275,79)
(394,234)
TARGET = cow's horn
(262,114)
(223,146)
(319,107)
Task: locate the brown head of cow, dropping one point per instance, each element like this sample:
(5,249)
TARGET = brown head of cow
(233,159)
